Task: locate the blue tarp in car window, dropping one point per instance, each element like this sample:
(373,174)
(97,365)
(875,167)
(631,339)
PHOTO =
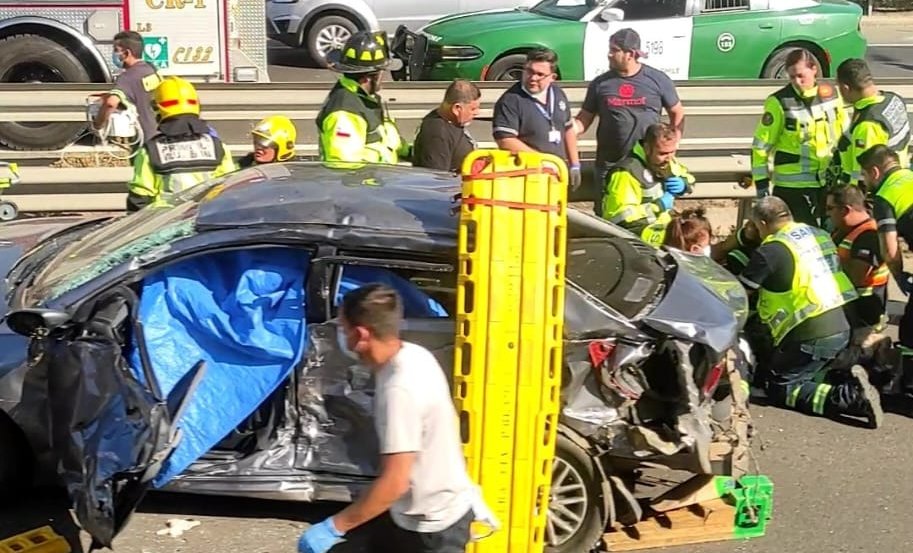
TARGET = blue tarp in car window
(416,304)
(243,313)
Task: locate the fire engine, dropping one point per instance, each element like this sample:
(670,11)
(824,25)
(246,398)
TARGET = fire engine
(72,41)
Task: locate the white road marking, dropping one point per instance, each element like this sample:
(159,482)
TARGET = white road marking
(892,45)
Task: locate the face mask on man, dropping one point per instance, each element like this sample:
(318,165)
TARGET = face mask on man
(117,60)
(706,250)
(343,342)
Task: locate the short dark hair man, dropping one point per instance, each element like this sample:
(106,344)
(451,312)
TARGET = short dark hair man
(134,86)
(423,480)
(879,117)
(534,115)
(443,140)
(628,98)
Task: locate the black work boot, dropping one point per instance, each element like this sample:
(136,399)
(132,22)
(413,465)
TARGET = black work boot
(856,397)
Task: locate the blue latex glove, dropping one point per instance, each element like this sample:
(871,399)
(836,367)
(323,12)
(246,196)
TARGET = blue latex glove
(666,201)
(762,187)
(319,538)
(574,177)
(674,185)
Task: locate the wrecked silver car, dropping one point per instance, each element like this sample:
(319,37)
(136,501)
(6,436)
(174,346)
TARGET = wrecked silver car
(194,348)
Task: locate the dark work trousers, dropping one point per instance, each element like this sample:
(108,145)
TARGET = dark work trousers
(797,377)
(390,538)
(806,204)
(905,335)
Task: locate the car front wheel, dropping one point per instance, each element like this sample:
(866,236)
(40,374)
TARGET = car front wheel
(327,34)
(775,68)
(575,510)
(508,68)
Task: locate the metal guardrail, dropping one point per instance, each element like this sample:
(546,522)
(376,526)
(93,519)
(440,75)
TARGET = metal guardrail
(241,101)
(85,189)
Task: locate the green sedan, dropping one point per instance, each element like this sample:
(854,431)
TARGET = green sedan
(687,39)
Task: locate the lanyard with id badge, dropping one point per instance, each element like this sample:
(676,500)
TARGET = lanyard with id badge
(554,135)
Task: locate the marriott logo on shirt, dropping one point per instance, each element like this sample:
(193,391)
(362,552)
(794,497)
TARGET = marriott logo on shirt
(626,97)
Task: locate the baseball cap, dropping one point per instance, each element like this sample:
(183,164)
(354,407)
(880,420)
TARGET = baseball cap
(627,40)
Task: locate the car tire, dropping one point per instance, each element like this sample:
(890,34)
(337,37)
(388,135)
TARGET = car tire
(32,58)
(326,34)
(15,468)
(508,68)
(775,68)
(573,466)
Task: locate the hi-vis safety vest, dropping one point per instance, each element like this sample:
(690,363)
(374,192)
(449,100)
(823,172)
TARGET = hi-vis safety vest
(169,165)
(877,277)
(355,127)
(897,190)
(818,283)
(880,119)
(801,132)
(630,195)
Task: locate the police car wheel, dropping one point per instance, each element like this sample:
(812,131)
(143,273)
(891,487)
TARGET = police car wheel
(775,68)
(508,68)
(8,211)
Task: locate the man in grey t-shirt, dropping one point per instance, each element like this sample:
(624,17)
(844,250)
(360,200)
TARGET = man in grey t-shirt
(628,98)
(134,85)
(423,480)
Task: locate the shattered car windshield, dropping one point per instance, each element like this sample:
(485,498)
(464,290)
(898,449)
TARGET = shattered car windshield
(127,238)
(717,280)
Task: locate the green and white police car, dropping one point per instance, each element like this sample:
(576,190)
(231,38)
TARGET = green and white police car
(687,39)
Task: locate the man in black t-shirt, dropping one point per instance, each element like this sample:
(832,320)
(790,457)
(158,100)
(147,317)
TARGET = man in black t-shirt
(627,99)
(856,236)
(443,140)
(534,115)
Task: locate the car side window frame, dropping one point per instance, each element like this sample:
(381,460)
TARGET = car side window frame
(325,275)
(644,5)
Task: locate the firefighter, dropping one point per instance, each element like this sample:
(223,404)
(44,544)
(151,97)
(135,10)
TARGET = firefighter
(353,123)
(182,153)
(641,189)
(856,236)
(801,294)
(879,117)
(273,140)
(799,130)
(892,185)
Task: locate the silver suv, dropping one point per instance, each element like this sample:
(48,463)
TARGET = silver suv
(321,26)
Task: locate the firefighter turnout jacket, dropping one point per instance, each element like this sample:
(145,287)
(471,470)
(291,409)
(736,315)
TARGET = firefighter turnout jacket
(879,119)
(819,284)
(354,126)
(799,130)
(182,155)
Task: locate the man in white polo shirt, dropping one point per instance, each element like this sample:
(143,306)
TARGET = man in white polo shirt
(423,480)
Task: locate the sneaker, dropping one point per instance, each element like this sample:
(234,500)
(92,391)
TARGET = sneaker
(871,398)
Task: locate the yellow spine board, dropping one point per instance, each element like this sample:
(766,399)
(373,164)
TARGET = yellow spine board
(508,351)
(39,540)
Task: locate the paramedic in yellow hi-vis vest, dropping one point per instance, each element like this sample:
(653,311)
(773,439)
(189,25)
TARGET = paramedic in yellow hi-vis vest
(801,293)
(641,188)
(183,153)
(892,185)
(879,117)
(354,124)
(797,134)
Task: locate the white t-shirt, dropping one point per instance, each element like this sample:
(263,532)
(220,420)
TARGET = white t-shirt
(413,412)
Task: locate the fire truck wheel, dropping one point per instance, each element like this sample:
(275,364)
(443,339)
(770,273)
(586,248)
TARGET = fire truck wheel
(36,59)
(326,34)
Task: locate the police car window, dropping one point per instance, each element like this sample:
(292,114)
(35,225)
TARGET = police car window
(651,9)
(572,10)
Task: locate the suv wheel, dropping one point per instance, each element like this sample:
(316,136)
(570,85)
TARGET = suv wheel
(575,509)
(328,33)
